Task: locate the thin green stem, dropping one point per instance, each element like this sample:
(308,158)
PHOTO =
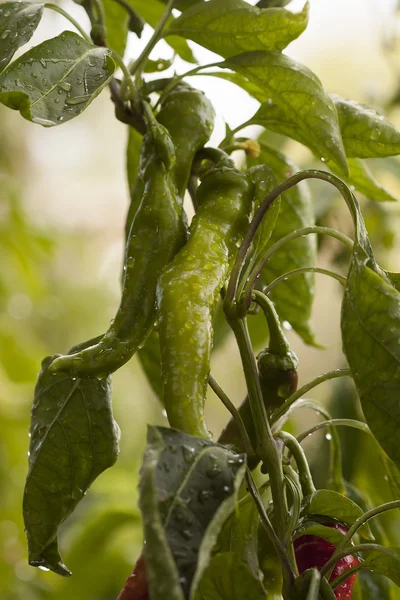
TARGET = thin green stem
(134,96)
(268,252)
(280,550)
(234,412)
(62,12)
(313,590)
(342,280)
(266,447)
(157,34)
(269,199)
(335,423)
(278,343)
(101,16)
(353,550)
(306,388)
(176,80)
(370,514)
(306,480)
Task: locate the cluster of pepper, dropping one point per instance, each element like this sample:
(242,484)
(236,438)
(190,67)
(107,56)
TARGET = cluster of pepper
(174,276)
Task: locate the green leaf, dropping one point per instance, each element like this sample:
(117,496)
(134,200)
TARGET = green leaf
(328,503)
(229,27)
(373,586)
(228,578)
(365,133)
(265,180)
(363,180)
(18,22)
(293,298)
(188,489)
(55,81)
(155,66)
(387,565)
(116,22)
(74,438)
(240,535)
(370,325)
(295,103)
(314,528)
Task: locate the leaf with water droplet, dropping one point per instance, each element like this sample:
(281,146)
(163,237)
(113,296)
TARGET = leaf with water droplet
(61,66)
(294,102)
(228,27)
(183,507)
(363,180)
(18,21)
(74,438)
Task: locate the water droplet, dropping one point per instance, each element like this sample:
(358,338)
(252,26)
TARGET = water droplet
(34,75)
(186,534)
(7,13)
(43,63)
(5,34)
(64,85)
(42,568)
(44,81)
(76,100)
(328,437)
(188,453)
(205,495)
(56,100)
(164,413)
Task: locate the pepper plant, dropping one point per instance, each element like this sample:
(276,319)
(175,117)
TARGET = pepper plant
(237,517)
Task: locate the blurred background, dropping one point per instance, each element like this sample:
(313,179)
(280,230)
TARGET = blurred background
(63,199)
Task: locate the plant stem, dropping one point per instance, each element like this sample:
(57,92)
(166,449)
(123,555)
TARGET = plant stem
(342,280)
(353,550)
(134,97)
(280,550)
(306,480)
(269,199)
(268,252)
(306,388)
(176,80)
(62,12)
(234,412)
(101,17)
(266,447)
(370,514)
(335,422)
(138,64)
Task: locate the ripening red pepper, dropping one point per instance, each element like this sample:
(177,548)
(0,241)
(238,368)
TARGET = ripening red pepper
(136,585)
(312,551)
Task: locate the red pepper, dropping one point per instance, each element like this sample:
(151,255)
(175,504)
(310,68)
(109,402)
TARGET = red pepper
(312,551)
(136,584)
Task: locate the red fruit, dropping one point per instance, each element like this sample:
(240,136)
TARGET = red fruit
(136,584)
(312,551)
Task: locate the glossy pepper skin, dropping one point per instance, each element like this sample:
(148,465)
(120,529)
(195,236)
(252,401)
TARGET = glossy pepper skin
(188,116)
(136,587)
(188,291)
(312,551)
(157,232)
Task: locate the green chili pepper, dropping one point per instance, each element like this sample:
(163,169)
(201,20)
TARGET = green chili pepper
(157,232)
(277,370)
(188,116)
(188,292)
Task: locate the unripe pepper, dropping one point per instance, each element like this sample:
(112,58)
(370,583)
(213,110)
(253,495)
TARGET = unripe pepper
(188,292)
(312,551)
(157,232)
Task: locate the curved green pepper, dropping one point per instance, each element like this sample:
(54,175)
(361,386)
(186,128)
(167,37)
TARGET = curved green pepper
(157,233)
(188,292)
(188,116)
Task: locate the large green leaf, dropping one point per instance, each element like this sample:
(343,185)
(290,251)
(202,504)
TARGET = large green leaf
(374,586)
(328,503)
(314,528)
(54,82)
(18,21)
(74,438)
(188,489)
(387,565)
(306,109)
(228,578)
(365,133)
(370,326)
(229,27)
(363,180)
(293,298)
